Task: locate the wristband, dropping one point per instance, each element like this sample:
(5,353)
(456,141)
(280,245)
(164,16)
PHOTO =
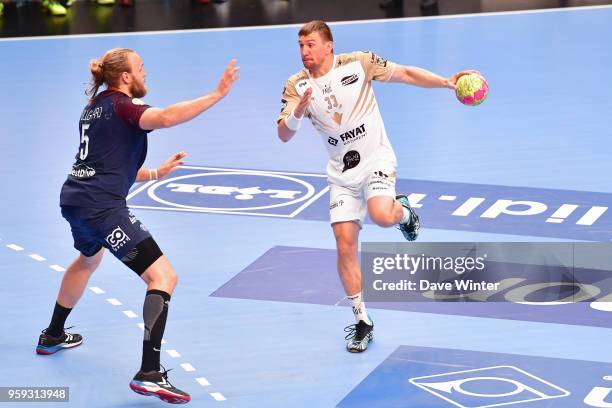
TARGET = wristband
(292,122)
(152,174)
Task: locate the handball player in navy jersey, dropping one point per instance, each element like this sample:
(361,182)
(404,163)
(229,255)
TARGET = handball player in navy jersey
(114,128)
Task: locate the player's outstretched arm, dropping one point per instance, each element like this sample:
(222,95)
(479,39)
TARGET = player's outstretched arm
(288,126)
(423,78)
(157,118)
(163,169)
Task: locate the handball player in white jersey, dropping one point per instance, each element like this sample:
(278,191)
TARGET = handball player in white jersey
(334,91)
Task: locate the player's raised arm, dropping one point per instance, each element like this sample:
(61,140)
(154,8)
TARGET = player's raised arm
(157,118)
(425,79)
(290,124)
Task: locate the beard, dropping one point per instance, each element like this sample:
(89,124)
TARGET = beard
(138,90)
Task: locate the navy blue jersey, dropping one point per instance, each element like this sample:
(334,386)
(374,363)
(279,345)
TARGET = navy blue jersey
(112,148)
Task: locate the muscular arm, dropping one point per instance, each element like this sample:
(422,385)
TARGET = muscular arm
(426,79)
(420,77)
(157,118)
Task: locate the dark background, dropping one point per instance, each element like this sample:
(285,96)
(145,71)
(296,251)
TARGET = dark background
(27,18)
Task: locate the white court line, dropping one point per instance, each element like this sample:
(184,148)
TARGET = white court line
(202,381)
(188,367)
(235,212)
(309,202)
(37,257)
(279,26)
(447,198)
(96,290)
(141,188)
(218,396)
(251,171)
(130,314)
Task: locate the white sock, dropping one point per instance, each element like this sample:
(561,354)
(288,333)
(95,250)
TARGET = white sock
(359,308)
(406,217)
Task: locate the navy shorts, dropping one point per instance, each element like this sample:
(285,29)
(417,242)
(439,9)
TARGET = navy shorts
(116,229)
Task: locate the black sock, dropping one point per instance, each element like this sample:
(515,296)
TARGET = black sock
(58,320)
(155,312)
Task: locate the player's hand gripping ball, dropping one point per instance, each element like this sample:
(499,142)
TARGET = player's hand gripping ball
(471,89)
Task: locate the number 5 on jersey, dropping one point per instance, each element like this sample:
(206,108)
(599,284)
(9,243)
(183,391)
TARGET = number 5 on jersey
(84,150)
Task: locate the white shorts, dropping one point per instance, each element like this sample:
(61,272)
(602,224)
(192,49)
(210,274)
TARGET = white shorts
(351,203)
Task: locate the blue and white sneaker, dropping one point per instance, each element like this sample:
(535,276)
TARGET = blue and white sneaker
(411,229)
(48,344)
(359,336)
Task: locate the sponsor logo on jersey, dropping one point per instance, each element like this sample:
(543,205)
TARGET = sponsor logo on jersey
(349,79)
(332,141)
(302,83)
(353,134)
(82,171)
(137,101)
(283,104)
(351,159)
(117,239)
(327,89)
(375,59)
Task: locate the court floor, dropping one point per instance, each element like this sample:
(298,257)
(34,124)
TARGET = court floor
(257,318)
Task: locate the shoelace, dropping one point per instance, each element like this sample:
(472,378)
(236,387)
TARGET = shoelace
(355,331)
(351,330)
(165,375)
(44,331)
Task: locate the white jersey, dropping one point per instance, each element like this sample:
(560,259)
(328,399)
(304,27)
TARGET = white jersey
(344,111)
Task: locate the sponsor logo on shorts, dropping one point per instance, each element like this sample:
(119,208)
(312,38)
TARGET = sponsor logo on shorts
(381,174)
(349,79)
(117,239)
(336,204)
(132,218)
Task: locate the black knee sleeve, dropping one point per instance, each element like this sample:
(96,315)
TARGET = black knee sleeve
(142,256)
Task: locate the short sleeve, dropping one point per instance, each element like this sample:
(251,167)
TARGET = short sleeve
(376,67)
(129,110)
(289,100)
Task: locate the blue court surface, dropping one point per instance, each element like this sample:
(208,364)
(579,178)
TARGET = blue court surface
(257,318)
